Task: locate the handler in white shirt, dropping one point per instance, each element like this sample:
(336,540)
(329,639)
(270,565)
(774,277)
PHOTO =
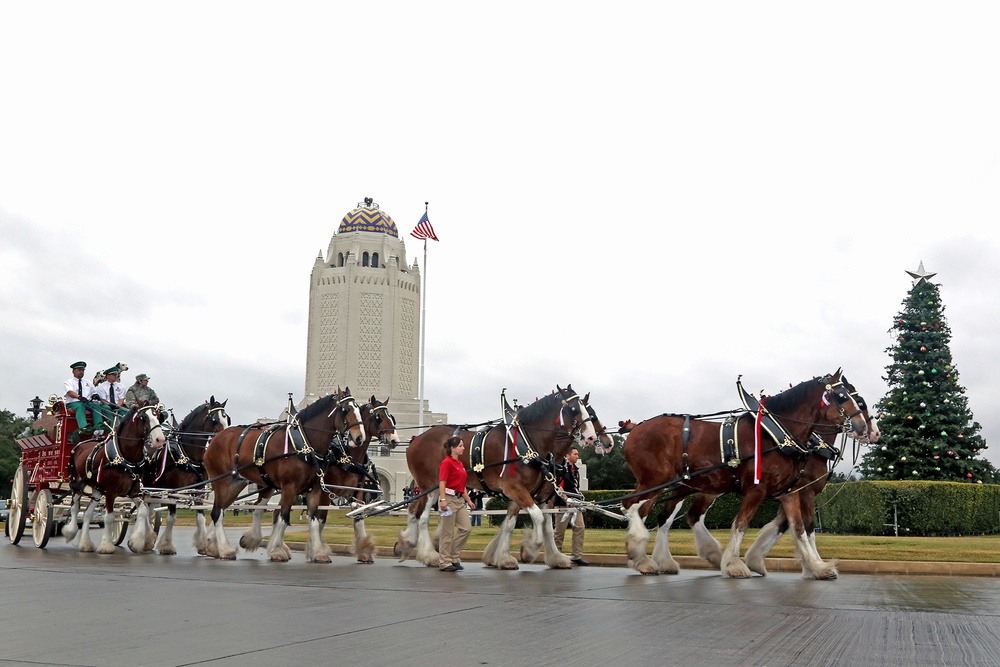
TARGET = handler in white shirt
(112,394)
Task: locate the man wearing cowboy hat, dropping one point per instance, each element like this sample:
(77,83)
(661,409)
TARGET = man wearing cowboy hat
(141,391)
(77,392)
(111,394)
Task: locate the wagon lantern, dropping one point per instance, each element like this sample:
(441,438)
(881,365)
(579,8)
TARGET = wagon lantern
(36,407)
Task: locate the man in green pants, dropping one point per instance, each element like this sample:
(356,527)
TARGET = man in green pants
(77,392)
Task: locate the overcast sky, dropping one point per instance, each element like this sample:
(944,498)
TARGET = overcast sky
(645,200)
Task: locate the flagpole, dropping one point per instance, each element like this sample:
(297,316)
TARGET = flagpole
(423,329)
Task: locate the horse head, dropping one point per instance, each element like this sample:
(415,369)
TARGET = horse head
(347,418)
(605,442)
(575,412)
(380,422)
(839,398)
(141,424)
(216,419)
(873,432)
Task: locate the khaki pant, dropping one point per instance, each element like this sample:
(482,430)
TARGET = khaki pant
(455,531)
(563,520)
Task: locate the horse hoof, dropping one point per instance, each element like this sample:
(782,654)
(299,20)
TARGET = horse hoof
(168,551)
(648,574)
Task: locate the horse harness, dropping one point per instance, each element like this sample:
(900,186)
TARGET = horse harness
(785,442)
(516,438)
(115,458)
(297,444)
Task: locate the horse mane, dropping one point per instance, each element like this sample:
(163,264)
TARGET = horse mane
(540,408)
(323,404)
(126,418)
(791,398)
(197,412)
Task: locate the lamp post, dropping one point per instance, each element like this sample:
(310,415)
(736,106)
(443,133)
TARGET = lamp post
(36,407)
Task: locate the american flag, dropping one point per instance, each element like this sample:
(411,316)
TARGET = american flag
(423,230)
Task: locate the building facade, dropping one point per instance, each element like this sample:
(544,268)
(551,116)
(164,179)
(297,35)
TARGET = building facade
(364,329)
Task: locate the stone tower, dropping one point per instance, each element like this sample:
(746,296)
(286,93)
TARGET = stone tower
(364,318)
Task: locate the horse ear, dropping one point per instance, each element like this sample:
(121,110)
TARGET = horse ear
(373,400)
(212,399)
(559,389)
(586,399)
(224,402)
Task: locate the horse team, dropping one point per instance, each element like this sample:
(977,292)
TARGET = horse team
(322,451)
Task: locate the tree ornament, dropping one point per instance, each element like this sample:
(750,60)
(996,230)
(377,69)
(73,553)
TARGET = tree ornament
(936,457)
(968,474)
(933,371)
(920,372)
(923,405)
(915,472)
(950,452)
(902,458)
(923,349)
(944,433)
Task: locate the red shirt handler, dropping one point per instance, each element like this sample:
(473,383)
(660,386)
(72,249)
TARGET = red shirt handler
(454,503)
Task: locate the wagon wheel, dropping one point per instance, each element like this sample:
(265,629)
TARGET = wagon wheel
(18,506)
(119,526)
(41,520)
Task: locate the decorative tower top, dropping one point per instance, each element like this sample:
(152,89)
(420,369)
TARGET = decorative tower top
(368,218)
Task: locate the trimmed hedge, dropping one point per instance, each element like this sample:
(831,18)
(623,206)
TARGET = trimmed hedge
(922,508)
(858,508)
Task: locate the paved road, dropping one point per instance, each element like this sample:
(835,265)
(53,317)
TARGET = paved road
(61,607)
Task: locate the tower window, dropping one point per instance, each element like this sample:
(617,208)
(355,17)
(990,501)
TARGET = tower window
(375,260)
(364,258)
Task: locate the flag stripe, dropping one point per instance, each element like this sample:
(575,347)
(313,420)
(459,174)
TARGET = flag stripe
(423,230)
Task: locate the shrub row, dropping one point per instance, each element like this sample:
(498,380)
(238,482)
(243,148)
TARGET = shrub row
(918,508)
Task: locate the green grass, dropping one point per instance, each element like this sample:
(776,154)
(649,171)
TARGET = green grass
(965,549)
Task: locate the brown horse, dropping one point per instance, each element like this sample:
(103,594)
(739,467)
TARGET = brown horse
(543,434)
(814,478)
(282,456)
(112,468)
(684,455)
(348,467)
(179,463)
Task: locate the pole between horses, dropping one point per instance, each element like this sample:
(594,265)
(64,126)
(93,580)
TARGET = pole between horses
(423,327)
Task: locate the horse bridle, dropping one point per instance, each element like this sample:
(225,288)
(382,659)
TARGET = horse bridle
(112,441)
(342,404)
(841,395)
(384,409)
(217,418)
(580,409)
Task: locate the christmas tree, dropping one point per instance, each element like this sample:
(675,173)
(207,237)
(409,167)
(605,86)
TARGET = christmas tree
(928,432)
